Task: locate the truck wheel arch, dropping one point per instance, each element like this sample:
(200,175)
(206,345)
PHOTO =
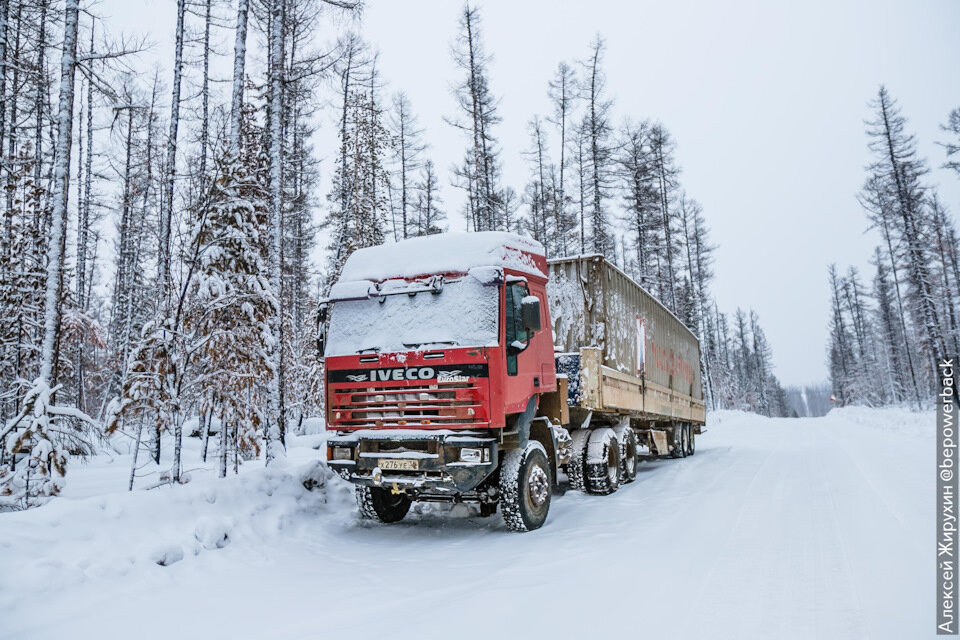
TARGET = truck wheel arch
(541,432)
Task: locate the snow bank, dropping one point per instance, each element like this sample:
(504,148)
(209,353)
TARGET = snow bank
(896,420)
(443,253)
(68,542)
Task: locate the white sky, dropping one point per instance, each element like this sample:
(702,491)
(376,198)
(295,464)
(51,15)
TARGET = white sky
(765,99)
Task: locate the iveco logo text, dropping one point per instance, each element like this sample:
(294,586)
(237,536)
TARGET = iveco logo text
(387,375)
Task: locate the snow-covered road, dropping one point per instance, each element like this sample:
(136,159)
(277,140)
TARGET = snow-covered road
(809,528)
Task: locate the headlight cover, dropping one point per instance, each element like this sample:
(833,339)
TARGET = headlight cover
(468,454)
(342,453)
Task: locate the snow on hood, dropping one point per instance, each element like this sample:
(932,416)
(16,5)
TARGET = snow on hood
(444,253)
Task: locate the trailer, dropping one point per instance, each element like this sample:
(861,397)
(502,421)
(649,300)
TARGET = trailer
(466,368)
(627,359)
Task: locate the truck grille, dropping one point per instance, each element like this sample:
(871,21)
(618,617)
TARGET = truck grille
(433,405)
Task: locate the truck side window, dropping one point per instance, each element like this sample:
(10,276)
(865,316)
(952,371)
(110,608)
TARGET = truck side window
(514,323)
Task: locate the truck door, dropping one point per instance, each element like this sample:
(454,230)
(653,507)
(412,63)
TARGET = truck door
(519,354)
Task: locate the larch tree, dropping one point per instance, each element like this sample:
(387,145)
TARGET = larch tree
(952,146)
(665,172)
(541,222)
(562,94)
(428,206)
(479,174)
(639,212)
(408,148)
(599,148)
(899,171)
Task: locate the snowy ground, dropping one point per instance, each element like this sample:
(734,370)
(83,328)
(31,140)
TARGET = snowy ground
(809,528)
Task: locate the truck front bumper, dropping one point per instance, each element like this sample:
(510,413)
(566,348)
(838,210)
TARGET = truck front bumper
(414,460)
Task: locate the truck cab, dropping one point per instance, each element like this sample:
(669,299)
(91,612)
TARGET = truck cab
(441,383)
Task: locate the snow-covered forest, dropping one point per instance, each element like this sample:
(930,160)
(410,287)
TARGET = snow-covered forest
(160,255)
(890,330)
(198,198)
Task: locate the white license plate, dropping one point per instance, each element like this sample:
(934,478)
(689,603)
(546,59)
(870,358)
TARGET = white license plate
(397,464)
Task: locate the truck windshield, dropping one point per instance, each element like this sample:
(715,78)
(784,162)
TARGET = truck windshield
(463,314)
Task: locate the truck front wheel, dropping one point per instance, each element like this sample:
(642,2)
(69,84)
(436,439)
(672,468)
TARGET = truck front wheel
(525,486)
(377,503)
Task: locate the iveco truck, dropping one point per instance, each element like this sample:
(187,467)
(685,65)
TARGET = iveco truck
(469,368)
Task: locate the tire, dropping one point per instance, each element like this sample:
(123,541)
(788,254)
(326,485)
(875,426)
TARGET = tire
(525,486)
(691,440)
(680,448)
(377,503)
(576,470)
(628,454)
(603,462)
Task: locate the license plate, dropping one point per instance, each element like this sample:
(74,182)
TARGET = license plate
(397,464)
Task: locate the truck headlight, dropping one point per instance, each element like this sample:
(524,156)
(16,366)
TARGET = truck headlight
(342,453)
(471,455)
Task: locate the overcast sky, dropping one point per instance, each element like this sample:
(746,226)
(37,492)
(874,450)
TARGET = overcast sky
(765,99)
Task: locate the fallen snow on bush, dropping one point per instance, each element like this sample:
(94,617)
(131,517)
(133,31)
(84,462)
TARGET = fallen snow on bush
(807,528)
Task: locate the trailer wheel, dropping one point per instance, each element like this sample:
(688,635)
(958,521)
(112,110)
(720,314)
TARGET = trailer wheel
(576,470)
(603,462)
(680,447)
(377,503)
(628,454)
(691,440)
(525,486)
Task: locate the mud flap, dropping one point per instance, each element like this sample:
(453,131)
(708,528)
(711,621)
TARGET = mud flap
(660,442)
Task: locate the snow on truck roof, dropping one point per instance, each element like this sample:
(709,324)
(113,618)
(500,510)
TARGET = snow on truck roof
(446,253)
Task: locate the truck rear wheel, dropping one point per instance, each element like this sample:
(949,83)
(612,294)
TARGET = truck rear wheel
(525,486)
(680,440)
(576,470)
(691,445)
(603,462)
(377,503)
(628,454)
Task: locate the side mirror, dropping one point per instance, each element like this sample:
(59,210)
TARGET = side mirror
(530,313)
(321,329)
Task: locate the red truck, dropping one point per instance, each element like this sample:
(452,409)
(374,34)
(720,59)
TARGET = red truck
(445,381)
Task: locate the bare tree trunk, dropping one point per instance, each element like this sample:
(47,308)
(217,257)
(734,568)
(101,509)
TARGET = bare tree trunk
(54,277)
(205,419)
(902,315)
(239,62)
(4,46)
(224,440)
(205,93)
(274,445)
(166,202)
(41,92)
(136,453)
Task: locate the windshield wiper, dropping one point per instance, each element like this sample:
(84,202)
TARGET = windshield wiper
(414,345)
(374,349)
